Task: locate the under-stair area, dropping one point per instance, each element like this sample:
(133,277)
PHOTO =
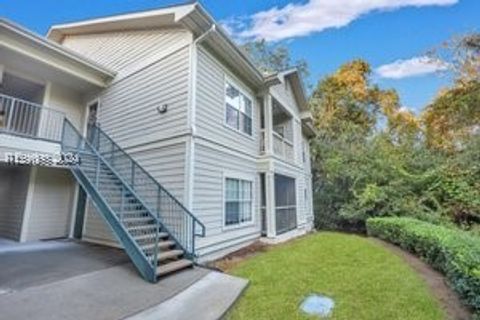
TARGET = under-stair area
(157,232)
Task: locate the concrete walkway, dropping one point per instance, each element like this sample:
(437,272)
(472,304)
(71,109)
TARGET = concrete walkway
(105,287)
(208,299)
(24,265)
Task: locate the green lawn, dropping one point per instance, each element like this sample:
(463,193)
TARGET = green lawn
(365,280)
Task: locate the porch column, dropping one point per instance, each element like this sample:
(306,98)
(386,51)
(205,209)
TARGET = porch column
(268,124)
(28,204)
(270,204)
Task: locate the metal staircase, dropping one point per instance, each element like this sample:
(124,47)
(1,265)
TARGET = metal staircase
(155,229)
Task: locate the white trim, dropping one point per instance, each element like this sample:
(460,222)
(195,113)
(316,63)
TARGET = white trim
(27,211)
(2,70)
(190,143)
(27,34)
(73,214)
(189,172)
(289,235)
(238,176)
(47,93)
(177,10)
(85,215)
(54,55)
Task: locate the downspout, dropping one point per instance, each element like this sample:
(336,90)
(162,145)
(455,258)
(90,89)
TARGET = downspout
(190,166)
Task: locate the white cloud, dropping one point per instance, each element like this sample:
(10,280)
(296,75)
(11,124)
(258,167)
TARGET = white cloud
(295,20)
(416,66)
(404,109)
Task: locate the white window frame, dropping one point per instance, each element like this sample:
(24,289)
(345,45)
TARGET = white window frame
(244,177)
(235,84)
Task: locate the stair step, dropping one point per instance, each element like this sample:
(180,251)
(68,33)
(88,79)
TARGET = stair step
(169,255)
(135,213)
(161,245)
(173,266)
(144,219)
(161,235)
(144,227)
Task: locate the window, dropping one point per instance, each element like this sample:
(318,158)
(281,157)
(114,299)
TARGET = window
(238,201)
(238,113)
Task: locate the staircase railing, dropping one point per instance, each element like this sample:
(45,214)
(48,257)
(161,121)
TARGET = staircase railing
(177,220)
(89,171)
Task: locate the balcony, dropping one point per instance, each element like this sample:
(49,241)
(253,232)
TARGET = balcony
(279,139)
(28,128)
(282,147)
(29,120)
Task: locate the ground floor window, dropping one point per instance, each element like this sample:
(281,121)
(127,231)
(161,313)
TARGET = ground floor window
(238,201)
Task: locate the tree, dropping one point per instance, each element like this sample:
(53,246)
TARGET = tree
(271,58)
(347,100)
(454,116)
(462,55)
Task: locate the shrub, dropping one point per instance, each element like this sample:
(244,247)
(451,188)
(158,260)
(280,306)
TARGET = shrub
(453,252)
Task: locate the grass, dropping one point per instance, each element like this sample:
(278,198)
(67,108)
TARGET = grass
(365,279)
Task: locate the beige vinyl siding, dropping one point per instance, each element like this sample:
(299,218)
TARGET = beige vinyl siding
(96,229)
(128,51)
(212,166)
(68,101)
(128,110)
(210,106)
(51,205)
(13,193)
(154,67)
(166,163)
(284,95)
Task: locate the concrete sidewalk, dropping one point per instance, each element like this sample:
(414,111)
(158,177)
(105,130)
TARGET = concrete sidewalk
(208,299)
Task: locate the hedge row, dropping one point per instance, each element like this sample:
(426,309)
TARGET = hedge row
(453,252)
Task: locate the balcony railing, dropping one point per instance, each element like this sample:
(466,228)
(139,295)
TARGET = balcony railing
(282,147)
(24,118)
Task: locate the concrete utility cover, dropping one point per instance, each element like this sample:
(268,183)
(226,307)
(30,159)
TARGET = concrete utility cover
(317,305)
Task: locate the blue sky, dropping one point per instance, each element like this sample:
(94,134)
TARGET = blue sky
(326,33)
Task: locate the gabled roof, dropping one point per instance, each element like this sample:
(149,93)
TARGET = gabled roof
(191,16)
(18,38)
(292,75)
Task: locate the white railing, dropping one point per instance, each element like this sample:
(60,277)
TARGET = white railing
(262,141)
(282,147)
(31,120)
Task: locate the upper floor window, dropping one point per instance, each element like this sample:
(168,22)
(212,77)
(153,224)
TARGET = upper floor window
(238,109)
